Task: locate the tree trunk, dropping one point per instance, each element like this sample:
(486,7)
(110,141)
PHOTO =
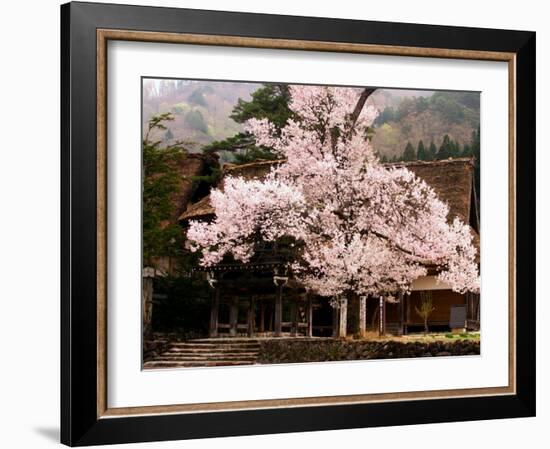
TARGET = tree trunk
(147,302)
(343,323)
(362,315)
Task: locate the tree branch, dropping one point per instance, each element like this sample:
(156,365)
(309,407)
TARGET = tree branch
(359,106)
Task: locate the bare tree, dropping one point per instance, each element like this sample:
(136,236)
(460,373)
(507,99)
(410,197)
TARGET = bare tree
(426,308)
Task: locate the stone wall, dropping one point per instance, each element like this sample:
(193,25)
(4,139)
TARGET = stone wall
(300,351)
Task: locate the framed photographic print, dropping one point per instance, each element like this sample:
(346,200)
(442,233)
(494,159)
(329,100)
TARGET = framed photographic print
(280,224)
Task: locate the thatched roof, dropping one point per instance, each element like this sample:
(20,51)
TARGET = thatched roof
(203,209)
(190,166)
(452,180)
(200,210)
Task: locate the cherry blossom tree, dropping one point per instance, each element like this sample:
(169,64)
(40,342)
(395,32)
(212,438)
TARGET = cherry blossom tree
(356,226)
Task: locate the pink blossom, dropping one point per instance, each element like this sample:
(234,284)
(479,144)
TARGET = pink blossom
(360,226)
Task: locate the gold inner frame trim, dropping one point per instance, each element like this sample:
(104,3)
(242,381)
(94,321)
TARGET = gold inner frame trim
(104,35)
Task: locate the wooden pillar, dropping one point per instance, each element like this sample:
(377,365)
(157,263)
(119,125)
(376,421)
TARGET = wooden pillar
(406,306)
(214,313)
(343,322)
(251,316)
(362,315)
(335,315)
(401,313)
(294,318)
(270,318)
(262,315)
(233,317)
(279,311)
(147,301)
(382,316)
(309,316)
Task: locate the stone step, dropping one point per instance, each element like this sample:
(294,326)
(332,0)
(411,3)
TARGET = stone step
(186,364)
(209,354)
(201,360)
(215,345)
(222,340)
(207,350)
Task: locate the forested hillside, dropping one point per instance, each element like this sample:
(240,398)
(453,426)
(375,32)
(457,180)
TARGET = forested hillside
(427,119)
(201,109)
(210,115)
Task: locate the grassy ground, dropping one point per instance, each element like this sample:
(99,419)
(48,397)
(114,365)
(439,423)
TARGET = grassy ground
(419,337)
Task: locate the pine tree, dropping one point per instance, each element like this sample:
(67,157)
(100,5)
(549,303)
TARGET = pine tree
(168,136)
(421,153)
(455,149)
(432,151)
(409,154)
(269,101)
(445,149)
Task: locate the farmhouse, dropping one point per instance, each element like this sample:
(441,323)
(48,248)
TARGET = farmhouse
(259,299)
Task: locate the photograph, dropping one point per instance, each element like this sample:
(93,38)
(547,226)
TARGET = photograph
(294,223)
(280,223)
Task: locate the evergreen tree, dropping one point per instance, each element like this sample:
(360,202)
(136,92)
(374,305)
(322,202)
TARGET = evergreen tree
(195,120)
(432,151)
(271,102)
(387,115)
(409,154)
(445,150)
(455,149)
(422,153)
(162,236)
(168,136)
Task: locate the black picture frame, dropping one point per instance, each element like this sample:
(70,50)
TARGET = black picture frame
(80,424)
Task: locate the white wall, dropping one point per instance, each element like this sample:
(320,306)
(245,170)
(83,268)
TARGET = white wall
(29,241)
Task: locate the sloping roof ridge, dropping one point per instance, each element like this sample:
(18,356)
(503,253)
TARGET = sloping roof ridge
(233,167)
(451,160)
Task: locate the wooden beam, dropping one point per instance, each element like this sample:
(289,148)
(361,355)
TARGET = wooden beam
(214,313)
